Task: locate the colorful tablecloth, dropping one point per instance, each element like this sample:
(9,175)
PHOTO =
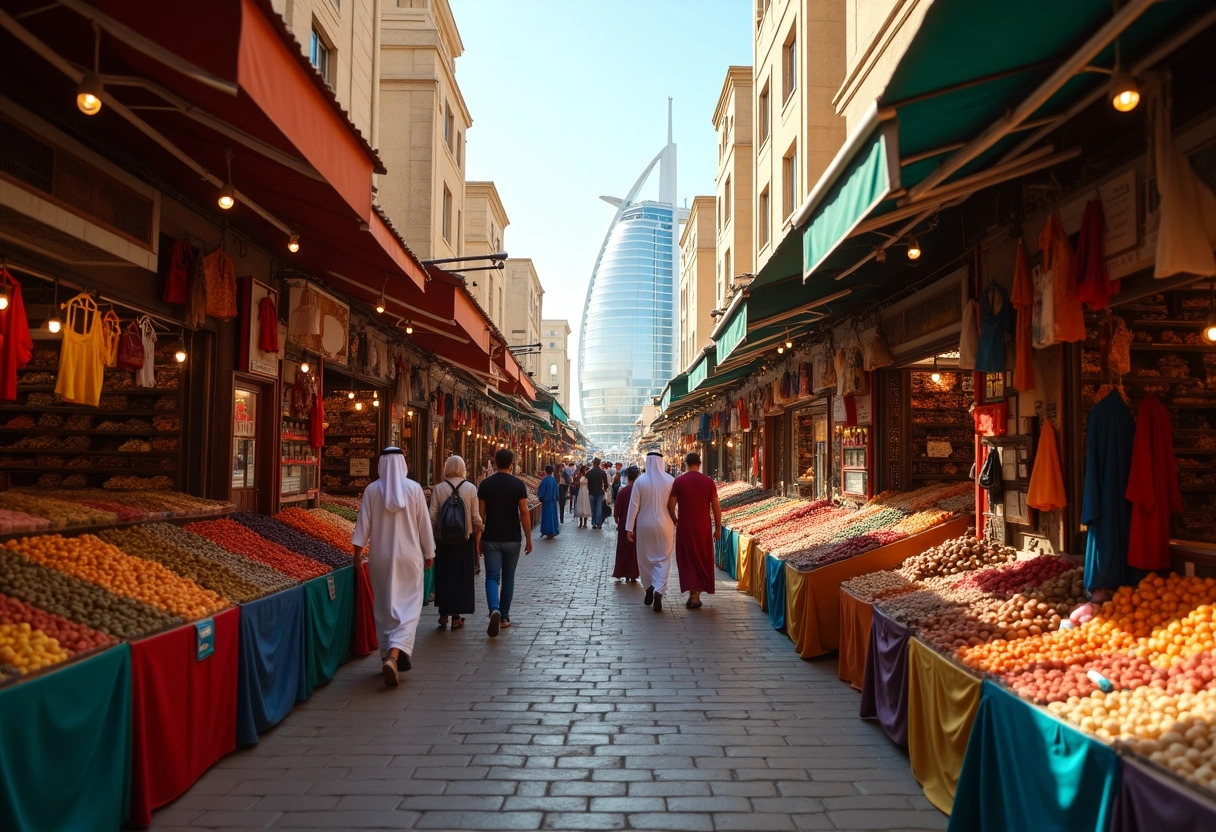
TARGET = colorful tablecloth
(744,568)
(758,586)
(329,614)
(65,747)
(884,694)
(730,553)
(1026,770)
(183,708)
(774,582)
(1152,801)
(942,700)
(271,678)
(855,618)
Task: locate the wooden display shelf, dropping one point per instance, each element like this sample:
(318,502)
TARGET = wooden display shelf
(1171,347)
(81,452)
(59,431)
(85,408)
(156,517)
(143,472)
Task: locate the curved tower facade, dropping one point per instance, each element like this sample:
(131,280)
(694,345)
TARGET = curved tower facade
(627,342)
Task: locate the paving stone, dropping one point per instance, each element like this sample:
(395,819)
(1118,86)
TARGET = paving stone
(584,820)
(885,819)
(349,819)
(479,820)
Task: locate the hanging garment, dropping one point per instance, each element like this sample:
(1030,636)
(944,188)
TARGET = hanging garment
(1105,509)
(401,388)
(220,277)
(145,376)
(16,345)
(177,273)
(996,322)
(1023,304)
(969,338)
(268,325)
(1115,346)
(196,307)
(1094,286)
(316,422)
(111,332)
(130,354)
(306,319)
(1068,321)
(1186,231)
(81,370)
(1042,329)
(1152,487)
(1046,491)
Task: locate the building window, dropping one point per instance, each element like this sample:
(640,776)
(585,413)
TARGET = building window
(789,63)
(552,345)
(726,275)
(447,214)
(727,198)
(553,372)
(449,125)
(320,54)
(762,220)
(459,232)
(460,150)
(764,114)
(789,180)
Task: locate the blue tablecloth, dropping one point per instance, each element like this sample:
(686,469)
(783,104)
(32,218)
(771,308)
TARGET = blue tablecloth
(65,747)
(774,574)
(884,691)
(271,678)
(1026,770)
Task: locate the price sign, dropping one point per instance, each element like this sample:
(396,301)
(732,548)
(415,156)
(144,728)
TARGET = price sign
(360,467)
(204,638)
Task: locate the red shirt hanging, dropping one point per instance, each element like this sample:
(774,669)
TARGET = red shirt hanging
(1152,487)
(16,346)
(268,325)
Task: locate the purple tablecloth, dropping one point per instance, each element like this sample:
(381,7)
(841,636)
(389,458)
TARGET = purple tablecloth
(884,693)
(1149,801)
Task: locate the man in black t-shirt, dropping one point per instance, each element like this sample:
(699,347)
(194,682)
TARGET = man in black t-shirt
(596,482)
(503,502)
(563,489)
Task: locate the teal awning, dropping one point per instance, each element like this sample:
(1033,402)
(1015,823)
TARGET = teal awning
(732,334)
(675,390)
(700,371)
(558,412)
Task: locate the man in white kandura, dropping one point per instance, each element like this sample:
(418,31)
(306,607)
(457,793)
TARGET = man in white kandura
(649,526)
(395,526)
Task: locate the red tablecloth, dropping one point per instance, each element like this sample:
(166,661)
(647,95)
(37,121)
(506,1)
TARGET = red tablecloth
(183,711)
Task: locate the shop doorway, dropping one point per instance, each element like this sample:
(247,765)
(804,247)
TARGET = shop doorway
(251,472)
(810,451)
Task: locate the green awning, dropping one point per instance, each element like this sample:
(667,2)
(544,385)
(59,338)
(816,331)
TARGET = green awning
(700,371)
(733,333)
(555,410)
(675,390)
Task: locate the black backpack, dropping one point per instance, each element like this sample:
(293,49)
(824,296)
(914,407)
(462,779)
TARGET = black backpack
(453,525)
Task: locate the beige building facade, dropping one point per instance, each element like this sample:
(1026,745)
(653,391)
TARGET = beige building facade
(698,293)
(523,303)
(798,69)
(423,122)
(877,33)
(554,374)
(484,229)
(733,122)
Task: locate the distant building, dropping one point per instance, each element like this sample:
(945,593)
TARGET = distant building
(522,317)
(627,345)
(554,372)
(485,226)
(733,121)
(698,250)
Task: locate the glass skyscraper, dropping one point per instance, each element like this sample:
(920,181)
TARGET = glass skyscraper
(627,344)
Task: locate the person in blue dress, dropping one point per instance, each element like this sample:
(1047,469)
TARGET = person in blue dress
(548,494)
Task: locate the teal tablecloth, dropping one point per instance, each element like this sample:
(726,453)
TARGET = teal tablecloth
(730,552)
(65,747)
(327,625)
(774,589)
(1025,770)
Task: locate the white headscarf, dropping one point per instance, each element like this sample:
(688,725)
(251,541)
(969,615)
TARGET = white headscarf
(394,473)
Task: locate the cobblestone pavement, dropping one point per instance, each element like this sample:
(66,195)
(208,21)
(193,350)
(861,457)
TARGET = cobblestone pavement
(592,712)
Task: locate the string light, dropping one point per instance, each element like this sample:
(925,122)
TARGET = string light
(180,355)
(293,242)
(935,376)
(3,298)
(913,249)
(375,402)
(789,345)
(358,405)
(351,395)
(88,91)
(409,328)
(53,324)
(1124,93)
(780,349)
(1209,329)
(228,193)
(410,413)
(304,368)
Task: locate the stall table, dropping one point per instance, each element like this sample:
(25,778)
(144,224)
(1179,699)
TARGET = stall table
(774,583)
(757,560)
(818,631)
(1024,769)
(329,612)
(65,746)
(855,618)
(183,704)
(271,676)
(884,695)
(942,700)
(744,568)
(1150,800)
(730,553)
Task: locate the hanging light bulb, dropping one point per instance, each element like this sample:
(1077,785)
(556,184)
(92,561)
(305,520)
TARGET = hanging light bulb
(227,193)
(913,249)
(293,242)
(3,298)
(409,328)
(935,376)
(380,306)
(375,402)
(304,368)
(1124,93)
(1209,329)
(53,323)
(780,349)
(88,91)
(410,413)
(468,432)
(358,405)
(180,355)
(789,345)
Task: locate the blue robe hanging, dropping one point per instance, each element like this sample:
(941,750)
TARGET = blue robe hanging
(1106,510)
(548,505)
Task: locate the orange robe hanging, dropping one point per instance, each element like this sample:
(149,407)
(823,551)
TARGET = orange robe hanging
(1058,257)
(1152,487)
(1023,302)
(1046,491)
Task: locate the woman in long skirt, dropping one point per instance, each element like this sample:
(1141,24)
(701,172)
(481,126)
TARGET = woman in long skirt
(455,559)
(582,503)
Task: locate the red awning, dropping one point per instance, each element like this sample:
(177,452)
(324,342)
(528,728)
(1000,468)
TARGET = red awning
(235,81)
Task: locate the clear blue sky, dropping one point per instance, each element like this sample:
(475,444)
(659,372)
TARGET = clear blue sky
(569,101)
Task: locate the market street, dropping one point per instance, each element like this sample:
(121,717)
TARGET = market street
(592,712)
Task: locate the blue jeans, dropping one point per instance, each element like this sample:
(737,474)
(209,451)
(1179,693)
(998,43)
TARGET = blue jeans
(597,508)
(501,559)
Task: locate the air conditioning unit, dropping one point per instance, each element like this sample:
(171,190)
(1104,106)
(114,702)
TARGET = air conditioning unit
(65,202)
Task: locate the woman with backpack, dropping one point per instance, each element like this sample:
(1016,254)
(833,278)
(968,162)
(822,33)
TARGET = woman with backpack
(458,525)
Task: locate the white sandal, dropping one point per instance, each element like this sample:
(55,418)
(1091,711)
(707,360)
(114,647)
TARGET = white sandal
(389,671)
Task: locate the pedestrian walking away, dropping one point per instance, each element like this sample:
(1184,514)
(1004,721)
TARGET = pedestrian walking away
(582,502)
(563,490)
(456,522)
(547,492)
(649,526)
(617,482)
(693,500)
(503,502)
(395,527)
(626,566)
(596,483)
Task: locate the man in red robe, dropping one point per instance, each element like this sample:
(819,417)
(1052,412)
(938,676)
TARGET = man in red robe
(694,497)
(626,565)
